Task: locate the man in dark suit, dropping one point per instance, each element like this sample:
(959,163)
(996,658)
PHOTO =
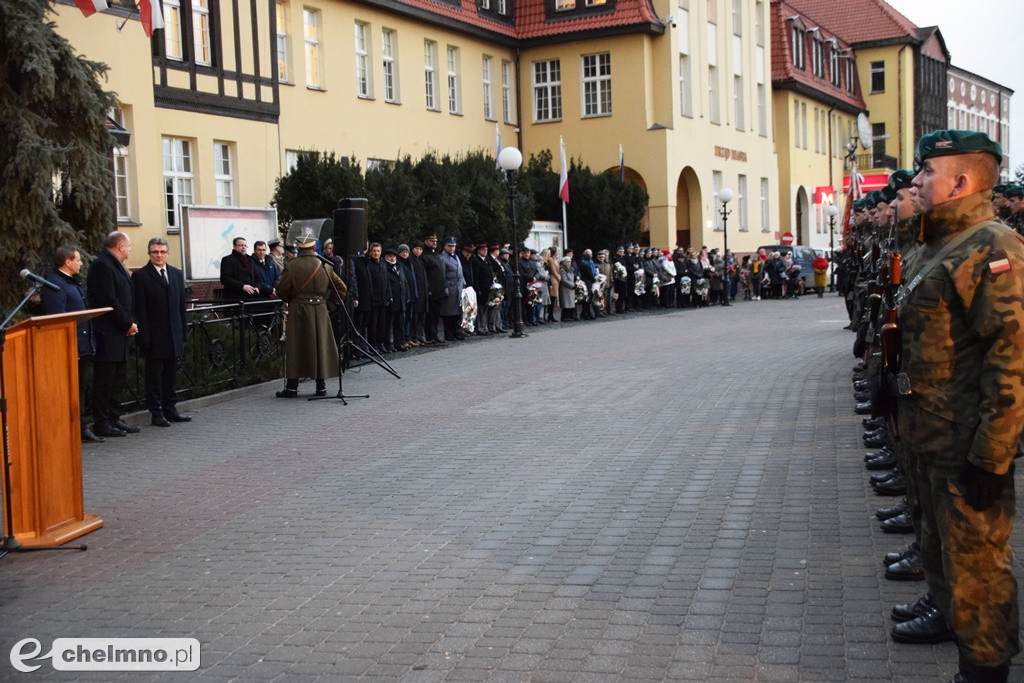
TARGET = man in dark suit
(70,298)
(237,273)
(160,310)
(109,284)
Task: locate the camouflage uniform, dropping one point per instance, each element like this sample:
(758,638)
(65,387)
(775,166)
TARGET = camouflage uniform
(963,352)
(1015,221)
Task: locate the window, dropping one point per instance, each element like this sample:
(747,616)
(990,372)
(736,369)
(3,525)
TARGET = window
(796,125)
(803,123)
(597,84)
(878,143)
(799,47)
(501,7)
(877,77)
(222,174)
(759,22)
(488,103)
(364,82)
(817,138)
(764,205)
(741,202)
(507,103)
(178,178)
(712,6)
(716,185)
(835,76)
(564,5)
(851,77)
(737,96)
(818,57)
(685,98)
(311,36)
(713,111)
(547,90)
(485,4)
(282,44)
(592,3)
(737,17)
(389,59)
(762,110)
(201,31)
(172,29)
(454,88)
(429,74)
(291,160)
(122,192)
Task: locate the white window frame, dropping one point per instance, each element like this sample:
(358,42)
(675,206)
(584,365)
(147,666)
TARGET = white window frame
(741,202)
(737,17)
(501,7)
(174,47)
(762,110)
(851,73)
(685,95)
(454,67)
(430,74)
(364,74)
(798,43)
(488,86)
(765,227)
(389,64)
(122,173)
(716,185)
(803,123)
(311,20)
(202,45)
(714,109)
(179,180)
(547,90)
(223,173)
(818,57)
(283,65)
(876,67)
(508,109)
(738,103)
(834,74)
(596,85)
(565,5)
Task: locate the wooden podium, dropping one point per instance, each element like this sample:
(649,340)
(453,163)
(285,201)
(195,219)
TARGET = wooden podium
(44,430)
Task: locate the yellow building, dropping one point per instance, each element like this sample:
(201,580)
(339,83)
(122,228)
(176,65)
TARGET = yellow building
(816,98)
(220,101)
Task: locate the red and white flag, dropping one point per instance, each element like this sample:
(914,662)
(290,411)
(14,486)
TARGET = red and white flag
(90,7)
(563,175)
(150,16)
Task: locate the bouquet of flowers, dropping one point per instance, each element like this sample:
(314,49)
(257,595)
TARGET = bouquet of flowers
(638,283)
(598,290)
(495,295)
(533,296)
(685,283)
(581,291)
(709,273)
(620,272)
(468,310)
(655,284)
(703,286)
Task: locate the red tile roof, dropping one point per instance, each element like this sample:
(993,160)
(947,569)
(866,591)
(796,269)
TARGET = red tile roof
(858,21)
(531,20)
(786,75)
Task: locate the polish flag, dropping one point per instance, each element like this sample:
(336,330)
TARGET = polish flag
(150,16)
(90,7)
(563,175)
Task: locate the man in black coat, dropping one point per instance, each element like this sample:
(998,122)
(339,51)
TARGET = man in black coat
(482,280)
(419,308)
(160,310)
(109,284)
(237,273)
(436,288)
(70,297)
(374,295)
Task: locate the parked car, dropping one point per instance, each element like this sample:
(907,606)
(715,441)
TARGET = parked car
(802,256)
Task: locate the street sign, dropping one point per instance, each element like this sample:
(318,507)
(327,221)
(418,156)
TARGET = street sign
(787,238)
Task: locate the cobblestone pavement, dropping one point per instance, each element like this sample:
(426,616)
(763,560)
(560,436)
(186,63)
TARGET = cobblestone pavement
(678,496)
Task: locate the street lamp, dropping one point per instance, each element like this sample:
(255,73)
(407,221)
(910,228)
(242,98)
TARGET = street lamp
(510,159)
(725,196)
(832,212)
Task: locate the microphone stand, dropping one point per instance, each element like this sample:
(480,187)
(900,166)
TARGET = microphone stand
(10,543)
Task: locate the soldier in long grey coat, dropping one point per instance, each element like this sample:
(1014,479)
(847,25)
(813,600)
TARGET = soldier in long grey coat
(454,282)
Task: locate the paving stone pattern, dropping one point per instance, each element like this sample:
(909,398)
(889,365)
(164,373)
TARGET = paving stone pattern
(678,496)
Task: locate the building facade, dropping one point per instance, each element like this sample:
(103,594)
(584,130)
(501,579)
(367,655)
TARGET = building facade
(976,103)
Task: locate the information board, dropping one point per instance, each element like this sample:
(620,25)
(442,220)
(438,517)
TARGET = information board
(208,232)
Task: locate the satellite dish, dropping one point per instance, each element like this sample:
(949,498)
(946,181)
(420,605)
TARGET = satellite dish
(864,131)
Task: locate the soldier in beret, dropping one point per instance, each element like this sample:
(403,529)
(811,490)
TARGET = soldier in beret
(960,413)
(1014,195)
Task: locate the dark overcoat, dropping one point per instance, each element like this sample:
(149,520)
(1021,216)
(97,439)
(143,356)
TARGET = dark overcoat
(310,347)
(160,311)
(68,299)
(109,284)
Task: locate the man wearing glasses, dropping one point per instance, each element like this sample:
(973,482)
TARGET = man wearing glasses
(160,311)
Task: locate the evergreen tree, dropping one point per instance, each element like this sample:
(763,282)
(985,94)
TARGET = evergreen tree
(395,201)
(314,186)
(56,185)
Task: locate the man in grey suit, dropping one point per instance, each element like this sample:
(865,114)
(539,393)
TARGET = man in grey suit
(160,310)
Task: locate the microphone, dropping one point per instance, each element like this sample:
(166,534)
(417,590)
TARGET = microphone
(325,260)
(27,274)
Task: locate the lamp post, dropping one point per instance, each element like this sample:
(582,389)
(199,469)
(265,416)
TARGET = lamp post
(725,196)
(832,212)
(510,159)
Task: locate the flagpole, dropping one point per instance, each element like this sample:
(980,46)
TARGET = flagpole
(565,229)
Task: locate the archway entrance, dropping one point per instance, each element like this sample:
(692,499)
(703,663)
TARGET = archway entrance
(688,201)
(803,212)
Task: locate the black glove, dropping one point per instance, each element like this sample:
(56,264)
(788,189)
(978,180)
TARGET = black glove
(981,487)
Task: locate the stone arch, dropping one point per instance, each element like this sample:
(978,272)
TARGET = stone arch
(688,211)
(802,217)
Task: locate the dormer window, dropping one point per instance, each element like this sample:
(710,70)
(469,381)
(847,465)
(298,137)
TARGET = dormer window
(799,46)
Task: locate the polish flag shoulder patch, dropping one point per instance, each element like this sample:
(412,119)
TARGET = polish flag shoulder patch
(1000,266)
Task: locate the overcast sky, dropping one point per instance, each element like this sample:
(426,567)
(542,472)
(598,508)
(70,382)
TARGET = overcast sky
(984,38)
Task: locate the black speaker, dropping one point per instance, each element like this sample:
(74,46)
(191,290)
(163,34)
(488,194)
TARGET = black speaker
(350,219)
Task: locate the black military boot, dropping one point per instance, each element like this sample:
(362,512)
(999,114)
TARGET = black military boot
(884,450)
(909,568)
(883,462)
(906,611)
(891,511)
(891,558)
(930,627)
(897,486)
(900,524)
(883,476)
(291,389)
(321,387)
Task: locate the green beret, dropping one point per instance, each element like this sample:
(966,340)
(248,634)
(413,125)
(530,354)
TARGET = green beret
(886,194)
(871,199)
(1000,188)
(860,204)
(900,180)
(1013,191)
(949,142)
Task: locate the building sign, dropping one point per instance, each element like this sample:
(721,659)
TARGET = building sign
(871,182)
(825,194)
(726,153)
